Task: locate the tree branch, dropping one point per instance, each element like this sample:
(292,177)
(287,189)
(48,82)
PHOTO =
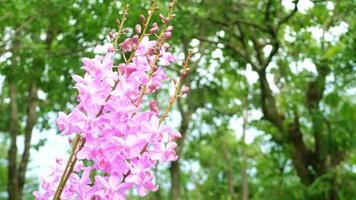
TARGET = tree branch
(12,154)
(239,21)
(275,47)
(268,10)
(236,50)
(290,15)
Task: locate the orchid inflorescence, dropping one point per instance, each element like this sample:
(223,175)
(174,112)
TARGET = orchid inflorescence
(118,142)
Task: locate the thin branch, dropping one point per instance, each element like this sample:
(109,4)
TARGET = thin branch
(275,47)
(242,39)
(268,11)
(239,21)
(290,15)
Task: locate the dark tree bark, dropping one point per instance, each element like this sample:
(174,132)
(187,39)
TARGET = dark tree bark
(229,171)
(175,166)
(13,187)
(30,123)
(17,171)
(17,167)
(244,175)
(175,180)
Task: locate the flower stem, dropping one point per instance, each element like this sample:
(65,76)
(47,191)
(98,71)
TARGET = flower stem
(176,93)
(62,180)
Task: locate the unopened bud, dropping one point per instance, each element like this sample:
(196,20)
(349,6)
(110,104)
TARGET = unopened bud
(169,28)
(150,52)
(163,19)
(161,16)
(138,28)
(167,34)
(183,73)
(154,28)
(135,39)
(185,89)
(111,35)
(153,106)
(149,12)
(142,19)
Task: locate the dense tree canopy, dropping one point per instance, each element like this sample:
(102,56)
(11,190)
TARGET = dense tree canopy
(270,113)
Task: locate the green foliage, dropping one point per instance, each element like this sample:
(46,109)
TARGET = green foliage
(49,37)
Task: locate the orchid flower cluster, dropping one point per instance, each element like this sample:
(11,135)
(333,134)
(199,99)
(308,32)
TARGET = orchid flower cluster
(119,136)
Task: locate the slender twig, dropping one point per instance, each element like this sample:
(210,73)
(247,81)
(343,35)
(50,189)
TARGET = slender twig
(121,24)
(176,93)
(290,15)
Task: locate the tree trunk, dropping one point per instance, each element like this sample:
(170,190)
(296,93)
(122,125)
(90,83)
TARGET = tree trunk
(229,171)
(30,122)
(175,165)
(175,180)
(13,189)
(244,176)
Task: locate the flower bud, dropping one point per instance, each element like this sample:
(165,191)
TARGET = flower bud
(167,35)
(150,52)
(111,35)
(154,28)
(126,45)
(163,19)
(161,16)
(138,28)
(169,28)
(142,19)
(135,39)
(185,90)
(153,106)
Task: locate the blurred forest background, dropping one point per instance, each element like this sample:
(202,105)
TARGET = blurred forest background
(271,113)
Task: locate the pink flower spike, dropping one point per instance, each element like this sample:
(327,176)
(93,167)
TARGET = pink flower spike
(153,106)
(123,142)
